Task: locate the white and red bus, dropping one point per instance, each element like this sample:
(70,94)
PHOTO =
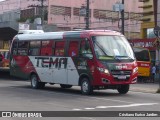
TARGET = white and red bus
(93,59)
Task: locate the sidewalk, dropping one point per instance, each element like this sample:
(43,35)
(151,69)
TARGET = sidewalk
(145,87)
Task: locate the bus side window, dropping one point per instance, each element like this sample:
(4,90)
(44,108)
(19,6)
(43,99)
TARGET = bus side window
(73,48)
(83,49)
(14,47)
(22,48)
(46,49)
(34,48)
(85,52)
(59,48)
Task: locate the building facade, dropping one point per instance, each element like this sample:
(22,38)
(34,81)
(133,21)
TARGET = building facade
(66,14)
(149,18)
(15,14)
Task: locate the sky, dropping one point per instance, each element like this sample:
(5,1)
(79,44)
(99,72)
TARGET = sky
(2,0)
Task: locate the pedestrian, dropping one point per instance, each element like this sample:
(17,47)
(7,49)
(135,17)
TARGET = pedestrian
(153,70)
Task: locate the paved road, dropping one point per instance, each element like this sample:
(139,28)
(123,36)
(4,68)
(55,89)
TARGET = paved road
(17,95)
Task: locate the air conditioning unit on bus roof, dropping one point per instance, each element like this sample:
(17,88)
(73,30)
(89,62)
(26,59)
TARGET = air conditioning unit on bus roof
(30,31)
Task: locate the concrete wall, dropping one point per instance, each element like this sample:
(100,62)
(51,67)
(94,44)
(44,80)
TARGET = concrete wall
(63,21)
(9,19)
(10,5)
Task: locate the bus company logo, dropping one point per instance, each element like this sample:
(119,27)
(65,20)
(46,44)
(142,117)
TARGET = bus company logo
(50,62)
(144,65)
(119,67)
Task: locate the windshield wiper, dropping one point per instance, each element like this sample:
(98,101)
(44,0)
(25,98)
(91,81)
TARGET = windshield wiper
(127,57)
(101,48)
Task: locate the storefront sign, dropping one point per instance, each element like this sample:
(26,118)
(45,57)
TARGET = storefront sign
(146,43)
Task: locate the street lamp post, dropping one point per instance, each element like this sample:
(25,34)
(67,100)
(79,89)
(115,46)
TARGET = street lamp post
(87,15)
(157,34)
(122,16)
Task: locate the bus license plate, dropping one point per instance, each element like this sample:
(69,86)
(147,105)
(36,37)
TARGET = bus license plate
(122,77)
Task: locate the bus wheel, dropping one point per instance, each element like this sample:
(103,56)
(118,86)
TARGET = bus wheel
(35,83)
(65,86)
(123,89)
(86,87)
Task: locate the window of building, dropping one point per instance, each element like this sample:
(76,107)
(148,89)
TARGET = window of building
(81,11)
(60,10)
(104,14)
(150,33)
(59,48)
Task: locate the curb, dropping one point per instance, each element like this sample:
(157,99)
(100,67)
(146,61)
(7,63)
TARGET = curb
(143,90)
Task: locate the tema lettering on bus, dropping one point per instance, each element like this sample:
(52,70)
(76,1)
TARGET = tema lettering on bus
(51,62)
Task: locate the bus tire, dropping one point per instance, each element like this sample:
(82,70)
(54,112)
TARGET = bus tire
(86,87)
(65,86)
(35,84)
(123,89)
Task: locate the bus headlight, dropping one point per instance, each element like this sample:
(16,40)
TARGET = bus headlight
(102,70)
(135,70)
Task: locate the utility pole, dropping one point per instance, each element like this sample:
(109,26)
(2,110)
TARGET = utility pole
(157,34)
(87,15)
(42,8)
(122,17)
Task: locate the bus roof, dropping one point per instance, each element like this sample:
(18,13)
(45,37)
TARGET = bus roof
(30,31)
(65,34)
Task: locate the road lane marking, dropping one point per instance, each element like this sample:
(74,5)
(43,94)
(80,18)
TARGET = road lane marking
(89,108)
(88,118)
(118,106)
(76,109)
(130,105)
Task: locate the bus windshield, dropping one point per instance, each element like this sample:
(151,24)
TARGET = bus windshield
(142,54)
(111,47)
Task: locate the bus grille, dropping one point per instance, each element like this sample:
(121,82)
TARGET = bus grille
(121,75)
(121,72)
